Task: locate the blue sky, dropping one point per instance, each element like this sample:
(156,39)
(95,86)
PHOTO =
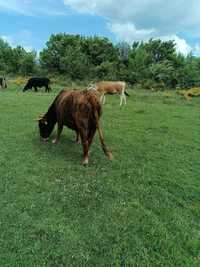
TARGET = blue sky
(31,22)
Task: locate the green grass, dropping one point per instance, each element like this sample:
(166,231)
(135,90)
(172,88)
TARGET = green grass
(141,209)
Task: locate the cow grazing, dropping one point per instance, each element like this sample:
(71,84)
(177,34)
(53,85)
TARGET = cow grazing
(78,110)
(37,82)
(3,83)
(108,87)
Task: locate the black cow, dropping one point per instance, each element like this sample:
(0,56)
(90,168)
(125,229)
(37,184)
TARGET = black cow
(37,82)
(3,83)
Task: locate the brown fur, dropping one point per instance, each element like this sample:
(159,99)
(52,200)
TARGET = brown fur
(78,110)
(107,87)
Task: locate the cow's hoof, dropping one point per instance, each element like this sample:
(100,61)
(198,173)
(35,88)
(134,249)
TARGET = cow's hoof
(84,162)
(55,141)
(45,139)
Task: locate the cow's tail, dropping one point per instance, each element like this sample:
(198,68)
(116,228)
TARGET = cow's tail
(106,151)
(124,89)
(126,93)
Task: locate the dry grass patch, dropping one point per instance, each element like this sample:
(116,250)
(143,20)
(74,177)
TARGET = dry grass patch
(190,93)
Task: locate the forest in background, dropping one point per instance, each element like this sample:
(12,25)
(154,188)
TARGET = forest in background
(155,64)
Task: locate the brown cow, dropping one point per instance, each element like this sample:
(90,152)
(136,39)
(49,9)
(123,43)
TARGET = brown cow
(78,110)
(110,87)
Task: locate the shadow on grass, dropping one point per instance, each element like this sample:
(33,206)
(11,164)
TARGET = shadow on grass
(162,129)
(66,149)
(140,111)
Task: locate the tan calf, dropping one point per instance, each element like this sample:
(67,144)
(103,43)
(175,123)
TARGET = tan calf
(109,87)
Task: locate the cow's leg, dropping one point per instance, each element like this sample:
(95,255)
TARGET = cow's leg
(102,99)
(103,145)
(85,145)
(77,137)
(91,135)
(59,130)
(35,88)
(121,99)
(47,89)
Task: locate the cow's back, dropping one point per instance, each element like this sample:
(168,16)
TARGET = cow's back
(77,107)
(110,86)
(37,81)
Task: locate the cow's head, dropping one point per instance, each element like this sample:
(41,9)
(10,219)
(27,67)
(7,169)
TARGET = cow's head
(45,127)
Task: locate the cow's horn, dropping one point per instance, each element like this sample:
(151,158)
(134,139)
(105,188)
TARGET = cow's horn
(39,118)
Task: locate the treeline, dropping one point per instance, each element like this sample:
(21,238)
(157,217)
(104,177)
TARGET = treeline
(153,64)
(16,60)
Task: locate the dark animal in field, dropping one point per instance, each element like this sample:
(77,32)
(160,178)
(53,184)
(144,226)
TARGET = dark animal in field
(110,88)
(3,83)
(37,82)
(78,110)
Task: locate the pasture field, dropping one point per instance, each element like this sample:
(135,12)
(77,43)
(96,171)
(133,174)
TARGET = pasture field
(141,209)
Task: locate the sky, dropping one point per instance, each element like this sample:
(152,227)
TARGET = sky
(31,22)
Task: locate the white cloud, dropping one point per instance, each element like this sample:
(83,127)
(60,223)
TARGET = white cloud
(129,33)
(164,15)
(181,45)
(82,6)
(15,6)
(33,7)
(129,20)
(133,20)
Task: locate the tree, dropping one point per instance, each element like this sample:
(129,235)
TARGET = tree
(75,64)
(124,51)
(76,56)
(5,55)
(56,48)
(23,62)
(99,50)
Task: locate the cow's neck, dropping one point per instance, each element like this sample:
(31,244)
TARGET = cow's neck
(51,116)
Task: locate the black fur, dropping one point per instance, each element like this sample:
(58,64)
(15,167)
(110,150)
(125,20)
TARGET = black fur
(126,93)
(37,82)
